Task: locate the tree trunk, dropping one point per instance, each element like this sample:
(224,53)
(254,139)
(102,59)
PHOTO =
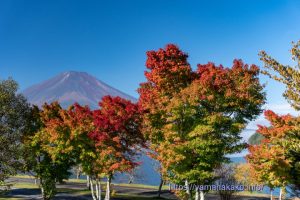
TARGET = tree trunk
(88,182)
(96,192)
(92,189)
(107,195)
(99,189)
(271,195)
(197,196)
(201,195)
(160,186)
(42,188)
(188,190)
(280,194)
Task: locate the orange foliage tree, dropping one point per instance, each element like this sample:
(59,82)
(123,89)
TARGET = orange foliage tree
(117,133)
(102,141)
(193,119)
(273,161)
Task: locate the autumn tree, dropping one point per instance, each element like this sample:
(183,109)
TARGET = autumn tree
(167,73)
(244,175)
(274,160)
(14,113)
(102,141)
(289,76)
(47,167)
(67,135)
(209,116)
(194,126)
(117,132)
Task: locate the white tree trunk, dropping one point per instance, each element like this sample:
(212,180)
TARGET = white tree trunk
(42,191)
(98,182)
(92,189)
(271,196)
(88,182)
(188,189)
(197,196)
(107,195)
(96,190)
(201,195)
(42,188)
(280,193)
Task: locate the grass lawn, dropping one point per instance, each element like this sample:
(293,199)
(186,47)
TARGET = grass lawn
(255,193)
(165,187)
(81,192)
(75,192)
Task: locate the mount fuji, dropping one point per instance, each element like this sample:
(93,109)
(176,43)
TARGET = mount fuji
(70,87)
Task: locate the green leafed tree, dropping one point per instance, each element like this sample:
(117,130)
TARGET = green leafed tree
(48,168)
(14,112)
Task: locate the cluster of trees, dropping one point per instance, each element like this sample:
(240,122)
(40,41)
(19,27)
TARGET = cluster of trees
(50,140)
(275,160)
(188,120)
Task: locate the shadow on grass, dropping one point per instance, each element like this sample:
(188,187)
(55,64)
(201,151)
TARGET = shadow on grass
(71,194)
(24,191)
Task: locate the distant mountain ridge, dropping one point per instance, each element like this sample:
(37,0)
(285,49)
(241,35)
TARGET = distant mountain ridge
(70,87)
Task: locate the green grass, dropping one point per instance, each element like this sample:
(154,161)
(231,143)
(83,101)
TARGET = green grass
(254,193)
(25,185)
(121,196)
(165,187)
(79,192)
(133,197)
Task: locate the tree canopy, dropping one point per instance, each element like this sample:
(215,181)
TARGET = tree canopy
(14,113)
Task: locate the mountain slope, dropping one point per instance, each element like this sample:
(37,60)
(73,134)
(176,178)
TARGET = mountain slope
(70,87)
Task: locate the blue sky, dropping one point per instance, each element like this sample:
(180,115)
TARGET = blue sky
(108,39)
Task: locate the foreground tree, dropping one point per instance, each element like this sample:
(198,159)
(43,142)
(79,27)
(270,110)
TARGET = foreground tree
(274,160)
(102,142)
(168,73)
(117,133)
(193,119)
(287,141)
(67,136)
(48,167)
(14,113)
